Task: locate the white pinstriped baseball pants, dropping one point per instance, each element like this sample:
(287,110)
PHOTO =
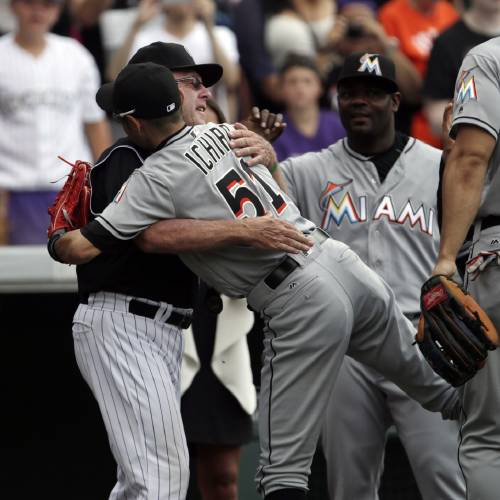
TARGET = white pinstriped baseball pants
(132,365)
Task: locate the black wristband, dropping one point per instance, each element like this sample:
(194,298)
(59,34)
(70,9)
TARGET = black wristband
(51,245)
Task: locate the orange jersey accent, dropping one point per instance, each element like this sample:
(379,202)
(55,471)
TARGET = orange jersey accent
(416,31)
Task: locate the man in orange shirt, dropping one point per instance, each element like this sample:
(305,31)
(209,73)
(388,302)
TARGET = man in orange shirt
(415,24)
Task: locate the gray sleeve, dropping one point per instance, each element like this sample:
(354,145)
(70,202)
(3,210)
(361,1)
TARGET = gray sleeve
(477,93)
(143,200)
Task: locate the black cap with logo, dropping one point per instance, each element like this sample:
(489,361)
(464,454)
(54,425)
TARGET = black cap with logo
(375,66)
(144,90)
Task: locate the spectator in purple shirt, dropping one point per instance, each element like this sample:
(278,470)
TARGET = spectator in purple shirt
(309,128)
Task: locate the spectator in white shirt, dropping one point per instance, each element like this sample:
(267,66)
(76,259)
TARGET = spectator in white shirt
(47,108)
(191,24)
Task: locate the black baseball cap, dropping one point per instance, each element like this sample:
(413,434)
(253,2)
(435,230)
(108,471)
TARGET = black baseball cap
(170,55)
(176,58)
(375,66)
(144,90)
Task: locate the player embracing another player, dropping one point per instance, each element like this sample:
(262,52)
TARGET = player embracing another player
(317,305)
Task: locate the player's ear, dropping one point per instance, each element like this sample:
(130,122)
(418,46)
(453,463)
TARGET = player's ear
(133,124)
(395,100)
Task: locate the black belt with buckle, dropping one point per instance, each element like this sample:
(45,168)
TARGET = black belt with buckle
(288,265)
(149,311)
(490,221)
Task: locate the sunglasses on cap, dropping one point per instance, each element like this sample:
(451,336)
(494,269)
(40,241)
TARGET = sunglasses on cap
(196,82)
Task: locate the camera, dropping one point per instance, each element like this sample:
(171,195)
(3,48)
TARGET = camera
(355,30)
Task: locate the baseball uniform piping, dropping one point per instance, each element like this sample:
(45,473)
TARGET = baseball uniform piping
(458,453)
(352,153)
(121,146)
(485,125)
(410,147)
(269,404)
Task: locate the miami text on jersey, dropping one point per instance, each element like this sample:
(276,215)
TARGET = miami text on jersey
(335,211)
(209,148)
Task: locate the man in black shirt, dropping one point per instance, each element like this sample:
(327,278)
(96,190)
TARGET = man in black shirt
(128,327)
(480,23)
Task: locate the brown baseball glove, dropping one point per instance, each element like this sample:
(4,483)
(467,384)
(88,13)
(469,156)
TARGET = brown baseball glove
(454,332)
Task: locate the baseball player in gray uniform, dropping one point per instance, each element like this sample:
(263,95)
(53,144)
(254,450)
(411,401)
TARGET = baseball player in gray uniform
(316,305)
(376,191)
(471,195)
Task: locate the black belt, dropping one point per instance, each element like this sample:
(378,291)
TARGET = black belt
(288,265)
(149,311)
(490,221)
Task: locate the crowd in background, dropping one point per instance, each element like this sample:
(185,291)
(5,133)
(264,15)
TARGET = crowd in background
(283,55)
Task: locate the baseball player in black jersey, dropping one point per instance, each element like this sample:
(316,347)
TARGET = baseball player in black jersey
(128,328)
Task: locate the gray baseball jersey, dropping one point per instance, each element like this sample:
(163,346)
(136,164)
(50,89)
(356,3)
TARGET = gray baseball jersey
(392,227)
(233,191)
(476,102)
(326,304)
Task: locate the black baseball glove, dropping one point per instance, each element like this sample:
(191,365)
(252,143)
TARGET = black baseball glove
(454,333)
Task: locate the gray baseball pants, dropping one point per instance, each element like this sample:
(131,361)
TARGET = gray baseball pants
(363,406)
(479,454)
(331,305)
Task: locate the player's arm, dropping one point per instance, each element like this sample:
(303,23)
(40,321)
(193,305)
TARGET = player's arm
(463,181)
(73,248)
(188,235)
(183,235)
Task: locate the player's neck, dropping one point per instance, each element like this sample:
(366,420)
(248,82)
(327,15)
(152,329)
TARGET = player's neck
(159,137)
(32,43)
(369,146)
(481,21)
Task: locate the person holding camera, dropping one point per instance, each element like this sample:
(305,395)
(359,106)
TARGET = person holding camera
(190,23)
(357,29)
(415,24)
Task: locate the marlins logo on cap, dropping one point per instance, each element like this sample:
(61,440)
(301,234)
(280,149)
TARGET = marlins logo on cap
(372,67)
(370,64)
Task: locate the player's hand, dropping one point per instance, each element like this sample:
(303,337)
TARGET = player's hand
(269,233)
(244,142)
(263,122)
(446,267)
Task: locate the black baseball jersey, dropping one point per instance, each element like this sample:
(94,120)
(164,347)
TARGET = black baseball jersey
(129,271)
